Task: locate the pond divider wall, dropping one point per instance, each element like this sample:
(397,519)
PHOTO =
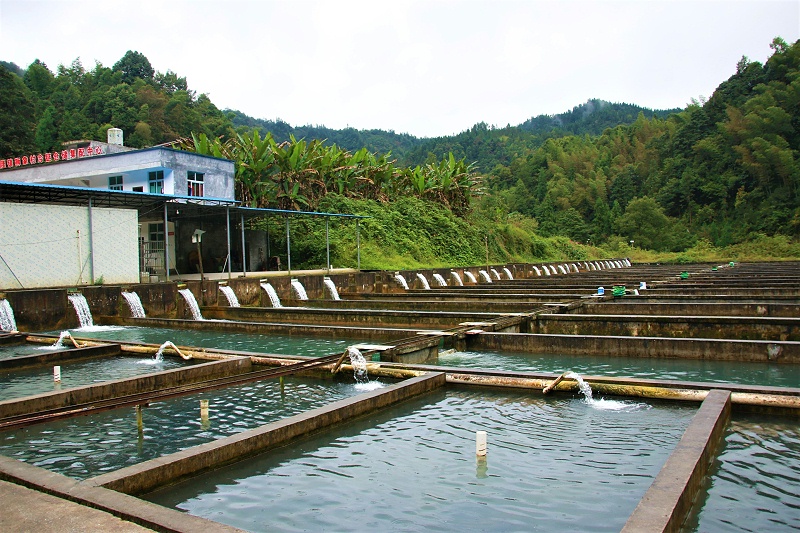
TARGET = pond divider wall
(149,475)
(59,356)
(628,346)
(123,387)
(669,499)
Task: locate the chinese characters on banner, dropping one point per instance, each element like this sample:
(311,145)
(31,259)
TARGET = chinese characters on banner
(63,155)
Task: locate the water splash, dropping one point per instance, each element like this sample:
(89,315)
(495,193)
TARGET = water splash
(508,273)
(135,304)
(359,364)
(192,303)
(457,278)
(158,358)
(484,276)
(331,286)
(424,281)
(538,272)
(470,276)
(273,296)
(60,342)
(299,290)
(159,355)
(496,274)
(440,280)
(82,309)
(401,280)
(7,321)
(602,404)
(233,301)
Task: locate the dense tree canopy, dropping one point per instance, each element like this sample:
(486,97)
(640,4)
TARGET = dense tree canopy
(722,170)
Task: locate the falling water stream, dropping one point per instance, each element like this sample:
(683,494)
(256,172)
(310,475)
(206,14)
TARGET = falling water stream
(82,309)
(192,303)
(273,296)
(135,304)
(7,322)
(233,301)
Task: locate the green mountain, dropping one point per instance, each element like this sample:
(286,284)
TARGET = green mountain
(349,138)
(721,171)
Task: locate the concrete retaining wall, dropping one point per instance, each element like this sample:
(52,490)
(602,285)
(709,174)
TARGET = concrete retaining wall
(755,309)
(681,348)
(334,332)
(356,317)
(711,327)
(59,356)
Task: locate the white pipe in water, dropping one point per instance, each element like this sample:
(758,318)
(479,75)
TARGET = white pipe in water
(57,374)
(480,443)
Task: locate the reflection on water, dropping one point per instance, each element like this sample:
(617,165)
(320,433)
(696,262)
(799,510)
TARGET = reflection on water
(91,445)
(552,464)
(755,484)
(768,374)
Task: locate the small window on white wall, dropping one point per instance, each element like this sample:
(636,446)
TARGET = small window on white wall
(155,181)
(195,183)
(115,183)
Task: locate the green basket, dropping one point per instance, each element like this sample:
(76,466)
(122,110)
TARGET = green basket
(618,290)
(684,275)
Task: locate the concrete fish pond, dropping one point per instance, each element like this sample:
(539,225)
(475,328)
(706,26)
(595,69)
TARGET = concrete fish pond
(631,397)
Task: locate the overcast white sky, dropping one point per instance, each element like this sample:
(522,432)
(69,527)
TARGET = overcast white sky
(428,68)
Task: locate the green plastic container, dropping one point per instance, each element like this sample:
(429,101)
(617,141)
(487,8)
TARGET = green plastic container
(618,290)
(684,275)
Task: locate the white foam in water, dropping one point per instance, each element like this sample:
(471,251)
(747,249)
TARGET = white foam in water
(369,386)
(7,321)
(401,280)
(457,278)
(440,280)
(484,276)
(496,274)
(135,303)
(273,296)
(233,301)
(602,404)
(508,273)
(424,281)
(470,276)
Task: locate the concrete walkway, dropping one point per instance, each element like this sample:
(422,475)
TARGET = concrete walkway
(29,510)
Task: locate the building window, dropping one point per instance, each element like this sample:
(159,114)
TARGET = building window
(156,181)
(115,183)
(156,232)
(195,183)
(138,189)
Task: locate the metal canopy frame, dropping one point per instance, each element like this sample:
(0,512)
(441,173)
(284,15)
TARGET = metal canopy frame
(166,207)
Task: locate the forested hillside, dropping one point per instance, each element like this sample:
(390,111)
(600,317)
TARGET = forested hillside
(718,172)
